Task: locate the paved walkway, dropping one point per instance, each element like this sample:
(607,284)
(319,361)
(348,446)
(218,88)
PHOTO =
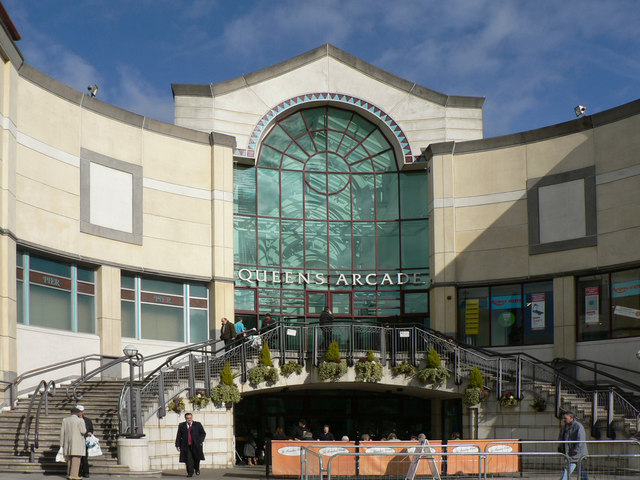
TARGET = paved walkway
(228,474)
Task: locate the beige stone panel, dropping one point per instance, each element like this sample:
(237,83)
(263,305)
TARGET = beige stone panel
(503,237)
(223,262)
(617,144)
(204,125)
(563,261)
(560,154)
(177,161)
(223,221)
(175,230)
(222,172)
(464,124)
(443,309)
(222,304)
(8,309)
(110,137)
(166,256)
(108,308)
(48,118)
(239,118)
(188,209)
(194,112)
(618,247)
(495,171)
(48,198)
(443,267)
(615,219)
(492,264)
(564,310)
(613,195)
(453,112)
(8,181)
(417,126)
(460,135)
(110,251)
(47,171)
(438,221)
(5,75)
(187,101)
(12,90)
(42,227)
(491,215)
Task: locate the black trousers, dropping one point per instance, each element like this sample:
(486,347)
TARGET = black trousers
(84,466)
(193,459)
(227,344)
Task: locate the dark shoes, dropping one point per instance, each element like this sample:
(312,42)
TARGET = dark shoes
(197,472)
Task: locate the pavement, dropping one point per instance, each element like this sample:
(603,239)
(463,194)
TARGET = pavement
(249,472)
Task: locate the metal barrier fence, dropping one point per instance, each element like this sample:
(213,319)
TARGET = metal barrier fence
(615,460)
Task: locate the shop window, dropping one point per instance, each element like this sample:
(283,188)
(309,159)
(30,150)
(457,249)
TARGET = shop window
(625,303)
(593,307)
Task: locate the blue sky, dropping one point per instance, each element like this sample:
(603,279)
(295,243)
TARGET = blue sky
(532,60)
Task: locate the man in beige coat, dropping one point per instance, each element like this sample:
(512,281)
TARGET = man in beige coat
(73,442)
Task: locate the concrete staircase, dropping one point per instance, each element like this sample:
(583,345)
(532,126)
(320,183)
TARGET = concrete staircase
(100,399)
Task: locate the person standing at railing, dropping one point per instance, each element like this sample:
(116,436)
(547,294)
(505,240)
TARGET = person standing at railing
(326,322)
(227,332)
(73,443)
(240,329)
(573,437)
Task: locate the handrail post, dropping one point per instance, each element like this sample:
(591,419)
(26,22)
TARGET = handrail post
(500,377)
(162,411)
(138,414)
(519,378)
(283,339)
(192,376)
(207,375)
(301,345)
(456,366)
(314,346)
(594,414)
(243,362)
(611,433)
(412,347)
(558,392)
(383,346)
(352,340)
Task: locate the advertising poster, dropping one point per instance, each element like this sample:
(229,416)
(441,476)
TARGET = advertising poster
(591,305)
(472,317)
(537,311)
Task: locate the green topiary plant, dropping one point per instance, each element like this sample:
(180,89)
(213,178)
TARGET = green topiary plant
(265,355)
(290,367)
(433,359)
(434,372)
(473,393)
(226,393)
(333,352)
(370,357)
(476,379)
(333,368)
(405,369)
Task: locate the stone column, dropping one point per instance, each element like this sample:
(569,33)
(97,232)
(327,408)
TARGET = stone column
(8,314)
(564,315)
(109,313)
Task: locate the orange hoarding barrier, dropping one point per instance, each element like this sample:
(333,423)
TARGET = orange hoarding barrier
(457,464)
(285,457)
(394,464)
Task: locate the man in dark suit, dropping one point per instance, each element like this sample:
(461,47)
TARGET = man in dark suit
(189,443)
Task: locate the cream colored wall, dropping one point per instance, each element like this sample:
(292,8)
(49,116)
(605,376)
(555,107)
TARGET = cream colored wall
(237,112)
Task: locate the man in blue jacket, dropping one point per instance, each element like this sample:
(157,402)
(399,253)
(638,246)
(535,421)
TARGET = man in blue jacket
(573,437)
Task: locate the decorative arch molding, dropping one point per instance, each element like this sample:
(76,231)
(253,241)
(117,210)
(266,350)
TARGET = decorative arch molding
(297,101)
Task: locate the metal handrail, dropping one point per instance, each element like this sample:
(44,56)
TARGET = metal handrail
(84,378)
(27,425)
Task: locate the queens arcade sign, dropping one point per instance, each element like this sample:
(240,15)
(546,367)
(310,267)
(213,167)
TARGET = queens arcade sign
(352,279)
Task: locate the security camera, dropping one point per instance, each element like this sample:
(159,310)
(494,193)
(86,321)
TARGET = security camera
(580,110)
(93,90)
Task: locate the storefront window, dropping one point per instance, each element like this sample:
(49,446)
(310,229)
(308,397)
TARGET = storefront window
(625,303)
(593,307)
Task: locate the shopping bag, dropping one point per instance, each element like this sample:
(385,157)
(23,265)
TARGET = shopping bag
(94,451)
(60,455)
(91,440)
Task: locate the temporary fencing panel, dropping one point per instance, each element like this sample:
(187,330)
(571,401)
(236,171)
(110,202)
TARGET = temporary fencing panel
(457,464)
(393,464)
(286,457)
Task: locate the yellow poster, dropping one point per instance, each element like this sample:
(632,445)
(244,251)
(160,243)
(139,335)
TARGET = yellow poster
(472,317)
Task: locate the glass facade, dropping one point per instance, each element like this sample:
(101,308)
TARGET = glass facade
(516,314)
(326,218)
(164,310)
(55,294)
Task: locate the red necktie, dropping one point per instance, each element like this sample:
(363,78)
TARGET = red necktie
(190,440)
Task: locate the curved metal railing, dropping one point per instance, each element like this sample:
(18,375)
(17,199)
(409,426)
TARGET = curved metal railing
(48,388)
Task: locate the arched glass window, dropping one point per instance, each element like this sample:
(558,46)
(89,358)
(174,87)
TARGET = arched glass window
(326,208)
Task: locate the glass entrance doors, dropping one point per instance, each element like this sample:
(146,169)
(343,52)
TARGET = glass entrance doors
(338,302)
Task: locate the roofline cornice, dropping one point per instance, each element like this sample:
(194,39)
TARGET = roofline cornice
(327,50)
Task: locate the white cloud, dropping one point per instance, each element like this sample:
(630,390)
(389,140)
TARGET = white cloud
(140,96)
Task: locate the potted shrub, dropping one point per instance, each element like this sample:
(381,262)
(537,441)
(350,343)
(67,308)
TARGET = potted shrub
(226,393)
(199,400)
(176,405)
(367,369)
(290,368)
(333,367)
(539,404)
(434,372)
(508,400)
(473,392)
(264,371)
(406,369)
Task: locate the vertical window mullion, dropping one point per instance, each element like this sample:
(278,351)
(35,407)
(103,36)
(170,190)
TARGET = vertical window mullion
(186,313)
(138,307)
(74,298)
(26,286)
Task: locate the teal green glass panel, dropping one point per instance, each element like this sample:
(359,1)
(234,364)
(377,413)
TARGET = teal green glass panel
(127,281)
(340,204)
(128,324)
(376,142)
(360,128)
(293,310)
(320,139)
(269,302)
(333,140)
(385,162)
(294,125)
(415,244)
(347,145)
(269,292)
(316,118)
(244,240)
(198,325)
(49,307)
(317,181)
(245,299)
(278,139)
(307,144)
(362,197)
(290,163)
(315,203)
(335,163)
(341,303)
(86,314)
(414,201)
(337,182)
(387,196)
(244,190)
(292,187)
(363,166)
(197,290)
(340,245)
(357,154)
(49,266)
(339,119)
(269,157)
(20,300)
(364,246)
(268,241)
(86,275)
(388,312)
(292,243)
(416,302)
(268,192)
(317,302)
(19,259)
(316,244)
(161,286)
(295,151)
(317,163)
(160,322)
(388,244)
